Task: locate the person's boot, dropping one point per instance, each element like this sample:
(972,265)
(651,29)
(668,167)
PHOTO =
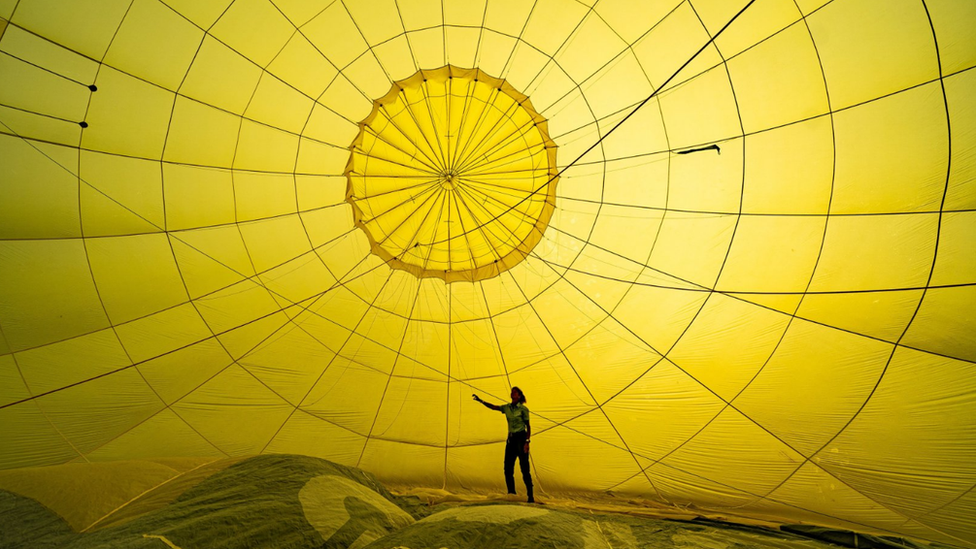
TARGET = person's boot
(531,499)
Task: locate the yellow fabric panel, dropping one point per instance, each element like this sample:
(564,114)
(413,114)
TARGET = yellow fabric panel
(523,338)
(955,517)
(71,361)
(125,267)
(707,183)
(658,315)
(761,21)
(799,91)
(31,440)
(247,417)
(257,30)
(553,380)
(772,254)
(701,111)
(462,45)
(870,56)
(306,434)
(669,43)
(566,313)
(926,436)
(211,201)
(317,193)
(334,34)
(315,157)
(353,410)
(395,57)
(236,305)
(816,496)
(630,21)
(127,116)
(87,416)
(40,192)
(13,388)
(812,402)
(468,302)
(475,351)
(220,77)
(299,12)
(202,14)
(428,343)
(46,293)
(179,372)
(325,125)
(607,357)
(882,315)
(428,45)
(196,125)
(342,97)
(758,249)
(637,157)
(26,125)
(120,195)
(801,154)
(33,48)
(260,195)
(265,148)
(278,362)
(383,328)
(369,354)
(377,20)
(162,332)
(551,22)
(951,21)
(86,27)
(714,350)
(661,410)
(955,259)
(297,280)
(367,75)
(35,90)
(278,105)
(961,193)
(211,259)
(589,439)
(300,65)
(754,463)
(411,401)
(876,252)
(154,43)
(692,246)
(592,45)
(943,317)
(414,461)
(903,169)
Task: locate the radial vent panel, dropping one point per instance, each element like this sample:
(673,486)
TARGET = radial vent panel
(452,175)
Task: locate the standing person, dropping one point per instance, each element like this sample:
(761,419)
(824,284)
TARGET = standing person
(517,445)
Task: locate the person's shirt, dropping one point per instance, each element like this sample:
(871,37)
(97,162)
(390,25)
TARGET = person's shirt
(517,416)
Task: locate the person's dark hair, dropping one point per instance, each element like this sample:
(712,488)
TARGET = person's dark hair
(521,394)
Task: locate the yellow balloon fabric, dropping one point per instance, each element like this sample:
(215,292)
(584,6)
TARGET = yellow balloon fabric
(726,247)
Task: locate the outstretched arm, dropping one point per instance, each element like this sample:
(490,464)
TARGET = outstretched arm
(487,405)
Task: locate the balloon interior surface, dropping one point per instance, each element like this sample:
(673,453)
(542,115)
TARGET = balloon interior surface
(270,248)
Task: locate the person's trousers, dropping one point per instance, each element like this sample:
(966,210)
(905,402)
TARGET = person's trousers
(515,448)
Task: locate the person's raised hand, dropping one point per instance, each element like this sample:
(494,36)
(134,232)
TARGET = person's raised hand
(475,397)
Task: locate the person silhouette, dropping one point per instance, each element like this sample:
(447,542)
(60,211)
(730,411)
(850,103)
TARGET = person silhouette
(517,444)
